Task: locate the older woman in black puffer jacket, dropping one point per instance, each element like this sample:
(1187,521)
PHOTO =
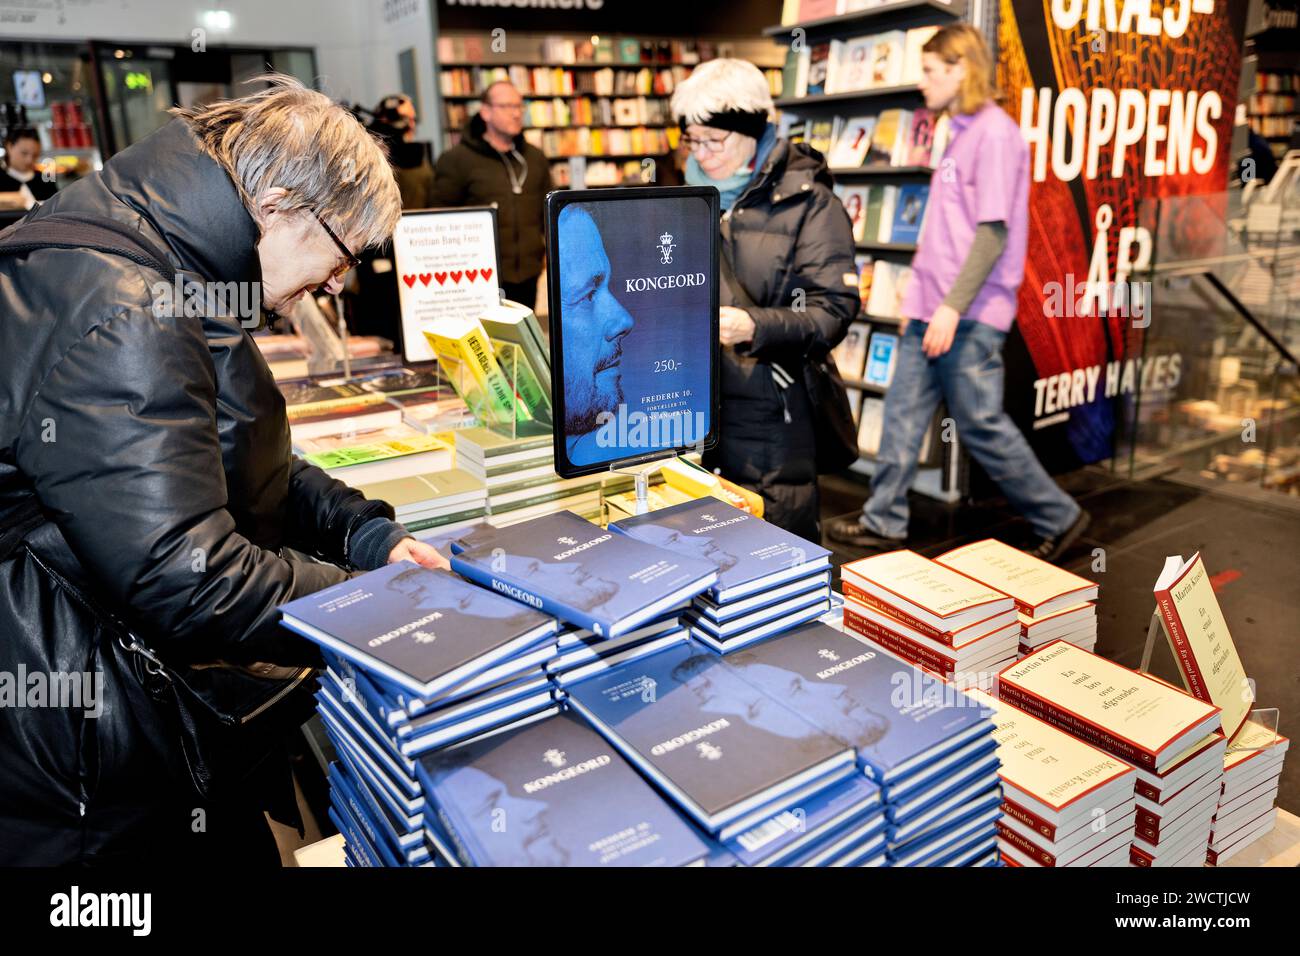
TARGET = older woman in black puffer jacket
(790,246)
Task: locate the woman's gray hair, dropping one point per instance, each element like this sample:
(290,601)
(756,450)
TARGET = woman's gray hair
(720,86)
(290,136)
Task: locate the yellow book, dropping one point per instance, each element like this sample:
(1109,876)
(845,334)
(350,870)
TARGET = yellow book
(463,347)
(938,596)
(1134,716)
(1058,779)
(1039,588)
(1198,634)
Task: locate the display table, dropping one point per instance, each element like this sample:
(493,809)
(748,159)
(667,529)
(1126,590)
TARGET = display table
(1281,847)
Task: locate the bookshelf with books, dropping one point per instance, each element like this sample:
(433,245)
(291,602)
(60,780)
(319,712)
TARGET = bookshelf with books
(850,91)
(597,106)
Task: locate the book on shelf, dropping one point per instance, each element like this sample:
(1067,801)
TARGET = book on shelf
(819,58)
(889,138)
(855,65)
(909,213)
(851,354)
(871,424)
(426,630)
(1134,716)
(888,279)
(1201,642)
(887,51)
(913,41)
(850,148)
(888,207)
(854,200)
(882,357)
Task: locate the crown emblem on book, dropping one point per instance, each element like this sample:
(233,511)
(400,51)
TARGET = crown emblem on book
(554,757)
(828,655)
(708,751)
(566,540)
(666,238)
(708,517)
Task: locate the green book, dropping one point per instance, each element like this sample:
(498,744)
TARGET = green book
(485,443)
(875,200)
(402,492)
(516,324)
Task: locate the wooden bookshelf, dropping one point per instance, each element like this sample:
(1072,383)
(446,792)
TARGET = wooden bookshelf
(662,64)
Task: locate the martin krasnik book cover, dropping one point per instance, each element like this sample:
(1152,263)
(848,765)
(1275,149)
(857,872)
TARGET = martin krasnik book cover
(426,630)
(565,565)
(553,793)
(722,748)
(897,718)
(749,552)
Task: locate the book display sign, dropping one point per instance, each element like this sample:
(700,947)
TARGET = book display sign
(446,261)
(634,324)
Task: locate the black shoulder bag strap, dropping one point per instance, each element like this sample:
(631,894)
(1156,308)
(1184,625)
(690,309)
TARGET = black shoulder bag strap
(835,435)
(96,233)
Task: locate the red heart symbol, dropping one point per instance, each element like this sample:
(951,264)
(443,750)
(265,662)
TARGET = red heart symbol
(486,273)
(441,277)
(410,281)
(471,274)
(425,277)
(455,276)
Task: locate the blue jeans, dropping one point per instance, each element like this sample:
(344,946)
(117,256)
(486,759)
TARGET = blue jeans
(969,378)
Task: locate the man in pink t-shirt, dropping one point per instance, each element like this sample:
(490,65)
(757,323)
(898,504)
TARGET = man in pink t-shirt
(957,309)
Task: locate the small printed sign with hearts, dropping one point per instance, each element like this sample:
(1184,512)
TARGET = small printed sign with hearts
(446,262)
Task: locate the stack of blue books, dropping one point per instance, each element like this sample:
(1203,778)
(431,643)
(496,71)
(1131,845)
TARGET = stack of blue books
(768,579)
(764,785)
(929,747)
(416,659)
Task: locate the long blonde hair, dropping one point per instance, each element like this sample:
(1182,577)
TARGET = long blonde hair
(961,42)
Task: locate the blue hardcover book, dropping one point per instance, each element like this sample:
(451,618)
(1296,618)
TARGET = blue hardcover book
(721,613)
(480,723)
(565,565)
(881,357)
(721,630)
(718,746)
(897,718)
(520,666)
(750,554)
(977,821)
(425,630)
(499,695)
(761,632)
(910,212)
(862,831)
(341,789)
(355,845)
(567,797)
(407,842)
(792,830)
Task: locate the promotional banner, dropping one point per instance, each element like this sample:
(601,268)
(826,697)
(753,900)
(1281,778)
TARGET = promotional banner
(634,313)
(446,261)
(1122,103)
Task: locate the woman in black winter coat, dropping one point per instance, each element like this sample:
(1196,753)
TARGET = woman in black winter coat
(147,486)
(790,246)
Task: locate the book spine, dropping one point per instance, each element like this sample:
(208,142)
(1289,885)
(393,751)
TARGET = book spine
(1148,833)
(326,411)
(478,352)
(520,592)
(1089,733)
(457,844)
(378,841)
(1031,820)
(360,851)
(873,602)
(1144,789)
(898,644)
(1032,850)
(1176,633)
(1138,858)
